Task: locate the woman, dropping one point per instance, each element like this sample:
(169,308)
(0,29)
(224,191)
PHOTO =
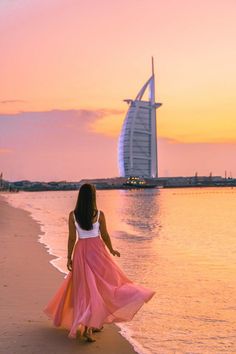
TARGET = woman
(95,291)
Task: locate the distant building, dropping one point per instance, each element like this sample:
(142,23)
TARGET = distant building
(137,147)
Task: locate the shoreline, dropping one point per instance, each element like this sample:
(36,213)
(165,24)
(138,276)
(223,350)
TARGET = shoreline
(155,187)
(28,281)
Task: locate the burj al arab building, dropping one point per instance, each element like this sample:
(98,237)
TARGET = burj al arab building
(137,146)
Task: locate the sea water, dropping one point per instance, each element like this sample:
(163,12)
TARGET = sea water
(180,242)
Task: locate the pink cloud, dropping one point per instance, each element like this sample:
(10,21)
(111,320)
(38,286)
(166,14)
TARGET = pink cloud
(55,145)
(58,145)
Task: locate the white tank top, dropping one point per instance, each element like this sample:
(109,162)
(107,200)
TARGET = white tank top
(94,232)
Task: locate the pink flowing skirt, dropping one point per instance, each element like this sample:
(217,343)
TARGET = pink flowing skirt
(95,292)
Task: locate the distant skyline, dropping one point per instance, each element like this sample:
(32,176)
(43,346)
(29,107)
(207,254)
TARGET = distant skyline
(66,67)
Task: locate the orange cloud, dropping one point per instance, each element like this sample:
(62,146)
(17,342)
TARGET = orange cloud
(109,122)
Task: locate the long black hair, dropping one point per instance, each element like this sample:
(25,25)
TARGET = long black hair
(86,207)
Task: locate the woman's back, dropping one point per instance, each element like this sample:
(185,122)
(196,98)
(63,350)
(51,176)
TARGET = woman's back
(94,232)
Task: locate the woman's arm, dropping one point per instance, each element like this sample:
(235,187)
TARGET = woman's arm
(71,240)
(105,235)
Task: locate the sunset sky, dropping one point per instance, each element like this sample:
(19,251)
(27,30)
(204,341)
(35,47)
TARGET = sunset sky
(67,65)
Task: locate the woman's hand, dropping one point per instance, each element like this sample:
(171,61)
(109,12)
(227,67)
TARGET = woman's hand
(115,253)
(69,264)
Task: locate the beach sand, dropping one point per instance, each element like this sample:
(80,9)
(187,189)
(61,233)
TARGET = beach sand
(28,281)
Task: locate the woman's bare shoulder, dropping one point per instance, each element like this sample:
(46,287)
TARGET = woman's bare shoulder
(102,214)
(71,214)
(102,217)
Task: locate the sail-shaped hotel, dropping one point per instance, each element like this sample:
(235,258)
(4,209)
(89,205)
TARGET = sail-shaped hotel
(137,147)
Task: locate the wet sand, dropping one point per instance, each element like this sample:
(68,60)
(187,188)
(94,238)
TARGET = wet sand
(27,282)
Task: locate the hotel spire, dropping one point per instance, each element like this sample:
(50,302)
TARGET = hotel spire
(137,148)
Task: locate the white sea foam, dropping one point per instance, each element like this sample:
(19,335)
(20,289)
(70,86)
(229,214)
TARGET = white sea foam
(129,335)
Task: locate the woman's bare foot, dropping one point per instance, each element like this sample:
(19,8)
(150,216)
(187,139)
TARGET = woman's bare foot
(88,335)
(95,330)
